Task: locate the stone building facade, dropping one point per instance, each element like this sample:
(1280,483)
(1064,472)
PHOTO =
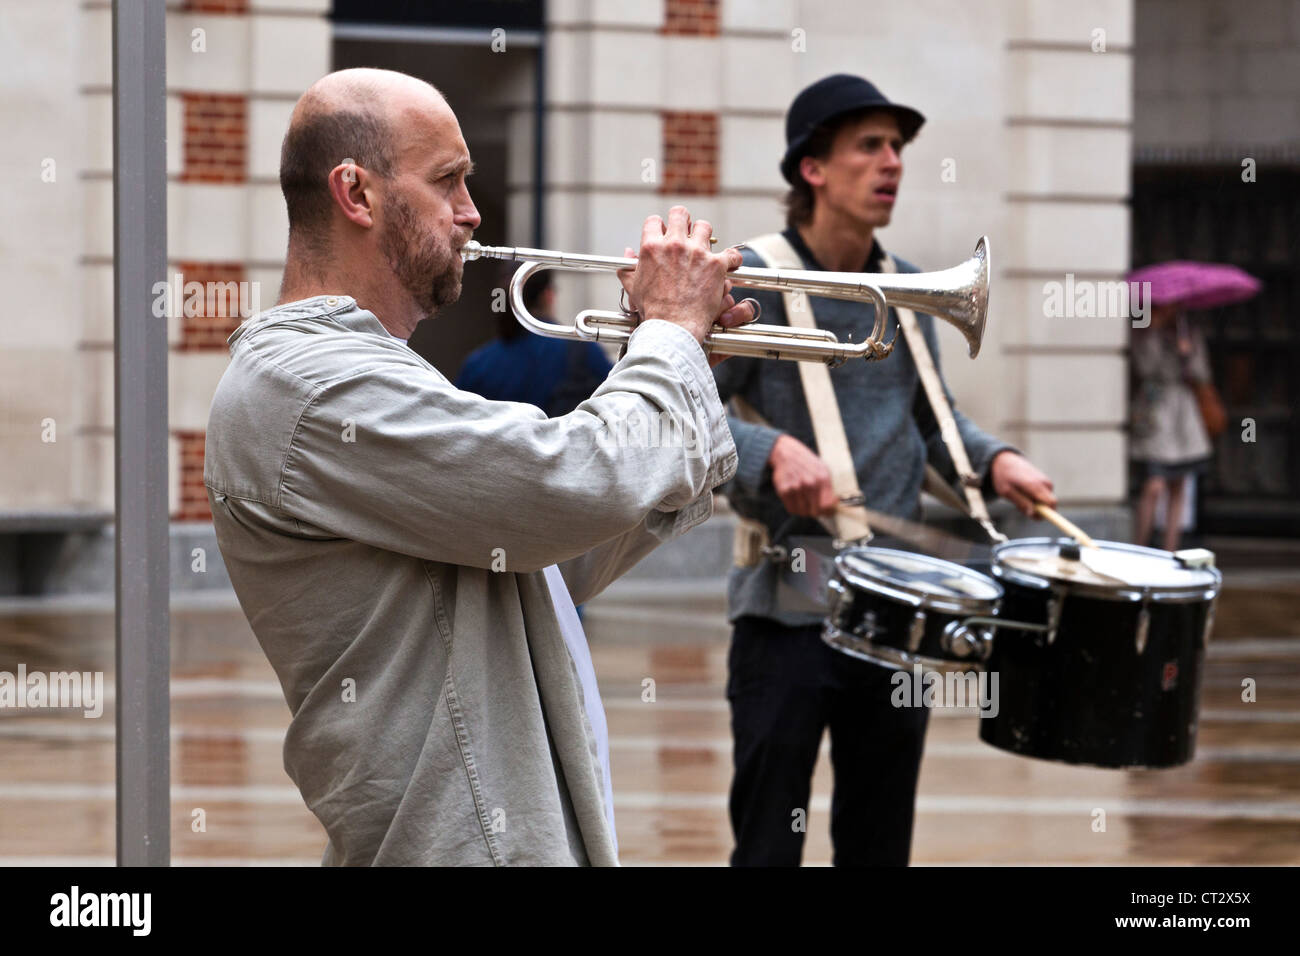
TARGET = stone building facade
(646,103)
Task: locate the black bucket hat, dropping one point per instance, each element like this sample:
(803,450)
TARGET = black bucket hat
(831,97)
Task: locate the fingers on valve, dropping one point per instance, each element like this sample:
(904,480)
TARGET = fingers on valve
(678,222)
(653,229)
(701,231)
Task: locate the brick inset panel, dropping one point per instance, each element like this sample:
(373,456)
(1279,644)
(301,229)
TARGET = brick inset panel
(194,496)
(691,18)
(690,154)
(217,307)
(216,138)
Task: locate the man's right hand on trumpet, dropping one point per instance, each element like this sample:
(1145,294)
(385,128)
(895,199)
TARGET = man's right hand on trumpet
(679,280)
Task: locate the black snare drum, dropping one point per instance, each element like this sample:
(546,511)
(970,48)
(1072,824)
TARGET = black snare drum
(1112,677)
(898,609)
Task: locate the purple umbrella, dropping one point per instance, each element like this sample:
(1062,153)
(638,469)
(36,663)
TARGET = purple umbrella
(1196,285)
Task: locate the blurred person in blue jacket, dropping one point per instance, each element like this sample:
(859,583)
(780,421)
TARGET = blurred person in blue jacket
(518,366)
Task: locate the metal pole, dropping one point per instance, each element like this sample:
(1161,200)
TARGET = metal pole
(140,429)
(539,139)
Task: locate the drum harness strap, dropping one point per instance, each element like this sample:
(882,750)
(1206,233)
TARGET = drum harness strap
(851,522)
(924,361)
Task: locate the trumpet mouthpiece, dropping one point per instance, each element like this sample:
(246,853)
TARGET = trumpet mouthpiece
(470,251)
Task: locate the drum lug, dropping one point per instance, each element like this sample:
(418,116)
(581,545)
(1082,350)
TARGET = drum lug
(962,641)
(917,632)
(1209,622)
(839,602)
(1054,604)
(1143,625)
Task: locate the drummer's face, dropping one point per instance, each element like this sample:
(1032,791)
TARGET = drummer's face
(859,179)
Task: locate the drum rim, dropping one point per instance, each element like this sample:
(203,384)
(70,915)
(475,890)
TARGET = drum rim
(891,657)
(1168,593)
(928,600)
(1056,758)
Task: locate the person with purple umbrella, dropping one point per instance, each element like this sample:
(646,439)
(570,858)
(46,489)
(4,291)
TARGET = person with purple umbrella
(1175,413)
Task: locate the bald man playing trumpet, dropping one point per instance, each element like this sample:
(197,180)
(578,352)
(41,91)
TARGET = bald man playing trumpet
(407,554)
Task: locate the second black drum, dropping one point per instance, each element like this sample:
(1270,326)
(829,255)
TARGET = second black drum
(1113,679)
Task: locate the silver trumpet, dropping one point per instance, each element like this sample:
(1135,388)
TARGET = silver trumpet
(959,296)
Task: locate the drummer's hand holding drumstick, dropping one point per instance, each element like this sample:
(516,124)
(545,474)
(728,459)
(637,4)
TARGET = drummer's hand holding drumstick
(1016,479)
(801,479)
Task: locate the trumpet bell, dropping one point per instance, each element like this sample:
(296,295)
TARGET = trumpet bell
(959,296)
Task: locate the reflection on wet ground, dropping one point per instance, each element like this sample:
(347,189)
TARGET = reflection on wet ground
(1237,802)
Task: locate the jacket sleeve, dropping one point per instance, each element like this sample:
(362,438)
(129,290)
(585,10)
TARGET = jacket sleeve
(754,441)
(589,574)
(396,457)
(981,447)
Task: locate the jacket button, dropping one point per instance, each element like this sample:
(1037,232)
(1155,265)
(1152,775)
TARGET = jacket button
(332,300)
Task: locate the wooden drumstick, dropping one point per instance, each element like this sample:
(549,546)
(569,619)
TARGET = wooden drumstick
(1069,527)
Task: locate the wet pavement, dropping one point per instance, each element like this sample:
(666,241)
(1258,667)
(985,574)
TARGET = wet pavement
(1238,802)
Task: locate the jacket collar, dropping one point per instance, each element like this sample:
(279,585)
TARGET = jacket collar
(330,310)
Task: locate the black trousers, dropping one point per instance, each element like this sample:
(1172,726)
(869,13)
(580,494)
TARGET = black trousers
(786,686)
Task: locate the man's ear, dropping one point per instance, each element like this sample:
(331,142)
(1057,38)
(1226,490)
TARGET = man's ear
(810,169)
(349,186)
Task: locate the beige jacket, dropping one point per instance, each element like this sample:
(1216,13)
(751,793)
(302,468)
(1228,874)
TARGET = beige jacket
(365,507)
(1167,428)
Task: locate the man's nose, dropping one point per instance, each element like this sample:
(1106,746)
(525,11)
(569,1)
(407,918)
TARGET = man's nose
(467,213)
(893,157)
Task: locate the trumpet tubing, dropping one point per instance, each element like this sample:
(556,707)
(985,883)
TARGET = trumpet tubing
(958,296)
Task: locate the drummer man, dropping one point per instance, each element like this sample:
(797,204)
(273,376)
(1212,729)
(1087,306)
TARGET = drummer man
(844,141)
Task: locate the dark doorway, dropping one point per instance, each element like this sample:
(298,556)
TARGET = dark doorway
(1208,213)
(484,88)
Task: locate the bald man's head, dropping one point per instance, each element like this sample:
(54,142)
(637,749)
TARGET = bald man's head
(345,117)
(373,170)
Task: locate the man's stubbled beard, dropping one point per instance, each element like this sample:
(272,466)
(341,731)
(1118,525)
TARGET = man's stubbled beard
(426,266)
